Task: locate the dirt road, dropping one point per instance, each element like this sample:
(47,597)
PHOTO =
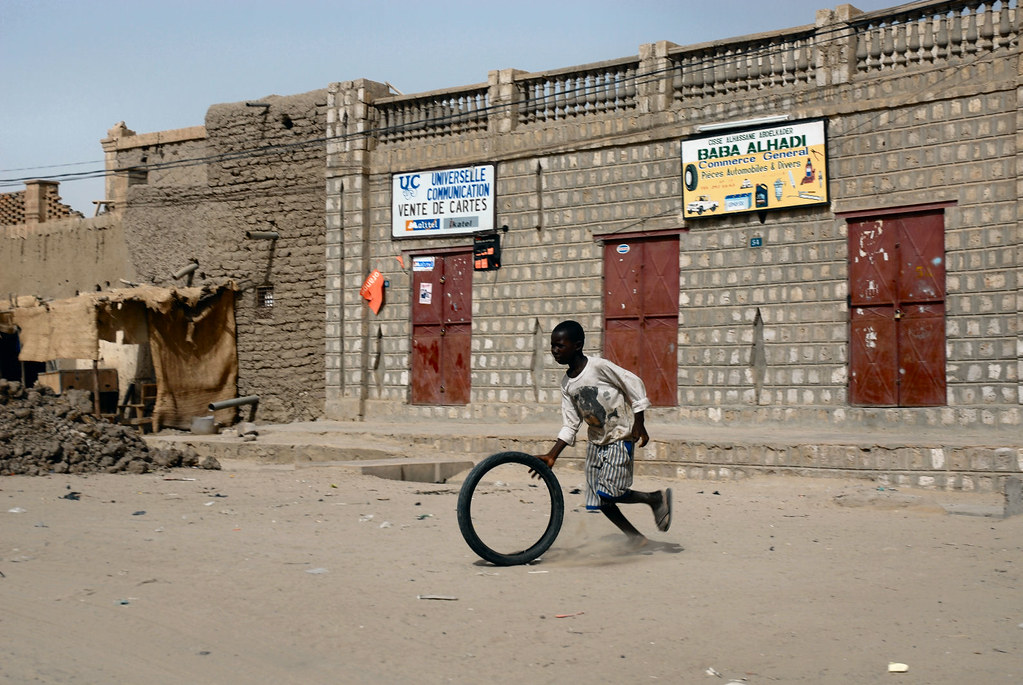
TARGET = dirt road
(280,575)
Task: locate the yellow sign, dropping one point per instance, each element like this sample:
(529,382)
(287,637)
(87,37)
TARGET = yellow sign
(752,170)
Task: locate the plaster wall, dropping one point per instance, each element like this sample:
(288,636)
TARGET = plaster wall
(59,259)
(258,166)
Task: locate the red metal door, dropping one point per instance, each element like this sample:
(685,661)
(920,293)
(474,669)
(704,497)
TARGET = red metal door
(641,312)
(442,329)
(872,380)
(921,313)
(897,311)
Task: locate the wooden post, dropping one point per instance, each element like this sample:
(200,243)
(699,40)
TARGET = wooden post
(95,388)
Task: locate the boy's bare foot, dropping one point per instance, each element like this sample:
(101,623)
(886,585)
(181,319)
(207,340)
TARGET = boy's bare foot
(662,512)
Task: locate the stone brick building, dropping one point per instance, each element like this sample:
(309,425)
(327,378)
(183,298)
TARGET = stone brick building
(771,314)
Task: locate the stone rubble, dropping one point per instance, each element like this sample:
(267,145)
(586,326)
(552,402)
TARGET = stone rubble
(42,432)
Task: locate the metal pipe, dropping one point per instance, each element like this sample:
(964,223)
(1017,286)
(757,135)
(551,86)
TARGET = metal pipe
(236,402)
(262,235)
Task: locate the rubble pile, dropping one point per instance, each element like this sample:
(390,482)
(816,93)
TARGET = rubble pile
(42,432)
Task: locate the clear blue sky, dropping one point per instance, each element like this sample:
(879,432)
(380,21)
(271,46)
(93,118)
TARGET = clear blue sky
(71,69)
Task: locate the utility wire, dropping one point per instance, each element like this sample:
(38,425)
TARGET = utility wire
(708,63)
(640,78)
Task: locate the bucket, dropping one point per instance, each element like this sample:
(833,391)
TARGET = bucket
(204,425)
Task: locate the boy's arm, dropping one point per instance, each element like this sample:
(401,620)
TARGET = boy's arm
(553,454)
(566,436)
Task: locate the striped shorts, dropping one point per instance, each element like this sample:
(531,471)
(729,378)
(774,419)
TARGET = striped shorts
(608,471)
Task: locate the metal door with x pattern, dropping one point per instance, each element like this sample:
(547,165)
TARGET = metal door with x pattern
(897,311)
(641,312)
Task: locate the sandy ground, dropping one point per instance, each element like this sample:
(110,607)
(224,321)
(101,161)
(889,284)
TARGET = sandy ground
(258,574)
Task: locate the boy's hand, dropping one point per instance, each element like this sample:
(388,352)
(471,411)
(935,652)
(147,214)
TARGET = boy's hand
(550,457)
(639,434)
(545,458)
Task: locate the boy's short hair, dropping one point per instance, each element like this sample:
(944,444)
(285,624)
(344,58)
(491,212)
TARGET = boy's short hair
(573,329)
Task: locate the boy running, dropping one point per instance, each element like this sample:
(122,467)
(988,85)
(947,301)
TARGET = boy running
(611,400)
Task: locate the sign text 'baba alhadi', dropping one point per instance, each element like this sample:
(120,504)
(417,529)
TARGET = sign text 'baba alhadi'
(748,170)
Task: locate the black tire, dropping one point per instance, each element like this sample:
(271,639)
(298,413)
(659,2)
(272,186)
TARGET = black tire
(690,177)
(465,509)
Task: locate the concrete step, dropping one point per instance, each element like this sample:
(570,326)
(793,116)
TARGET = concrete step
(921,457)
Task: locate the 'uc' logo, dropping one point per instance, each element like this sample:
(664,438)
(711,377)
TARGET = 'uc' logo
(410,182)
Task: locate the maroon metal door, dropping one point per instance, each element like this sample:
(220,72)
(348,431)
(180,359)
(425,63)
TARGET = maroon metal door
(641,312)
(442,330)
(897,311)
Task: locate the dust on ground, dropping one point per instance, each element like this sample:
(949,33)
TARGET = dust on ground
(256,574)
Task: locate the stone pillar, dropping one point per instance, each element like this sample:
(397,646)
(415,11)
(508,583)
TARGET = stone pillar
(36,200)
(349,224)
(654,94)
(504,100)
(836,53)
(116,186)
(1018,240)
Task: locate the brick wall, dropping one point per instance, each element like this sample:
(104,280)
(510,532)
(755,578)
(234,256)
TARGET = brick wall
(907,124)
(38,203)
(12,208)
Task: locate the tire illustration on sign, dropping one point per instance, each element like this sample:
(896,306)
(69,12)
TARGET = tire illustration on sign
(691,177)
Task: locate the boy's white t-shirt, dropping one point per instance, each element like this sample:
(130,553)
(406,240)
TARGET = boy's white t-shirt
(604,396)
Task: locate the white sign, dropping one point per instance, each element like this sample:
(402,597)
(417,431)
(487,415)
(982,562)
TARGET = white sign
(423,263)
(443,202)
(426,293)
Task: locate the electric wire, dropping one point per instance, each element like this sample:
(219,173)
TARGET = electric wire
(640,78)
(768,49)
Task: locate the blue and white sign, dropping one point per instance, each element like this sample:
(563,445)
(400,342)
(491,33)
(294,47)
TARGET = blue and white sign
(443,202)
(423,263)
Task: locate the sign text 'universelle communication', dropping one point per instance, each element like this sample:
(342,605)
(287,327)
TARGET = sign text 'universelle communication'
(443,202)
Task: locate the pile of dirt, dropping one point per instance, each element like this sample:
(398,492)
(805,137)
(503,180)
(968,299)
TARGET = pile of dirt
(42,432)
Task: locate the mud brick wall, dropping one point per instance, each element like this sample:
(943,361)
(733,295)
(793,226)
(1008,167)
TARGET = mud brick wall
(62,258)
(259,166)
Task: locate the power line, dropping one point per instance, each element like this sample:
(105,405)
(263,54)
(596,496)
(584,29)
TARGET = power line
(640,78)
(822,38)
(50,166)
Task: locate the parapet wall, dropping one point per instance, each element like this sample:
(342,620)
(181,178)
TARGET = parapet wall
(59,259)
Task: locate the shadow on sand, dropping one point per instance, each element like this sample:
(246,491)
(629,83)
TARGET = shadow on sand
(611,549)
